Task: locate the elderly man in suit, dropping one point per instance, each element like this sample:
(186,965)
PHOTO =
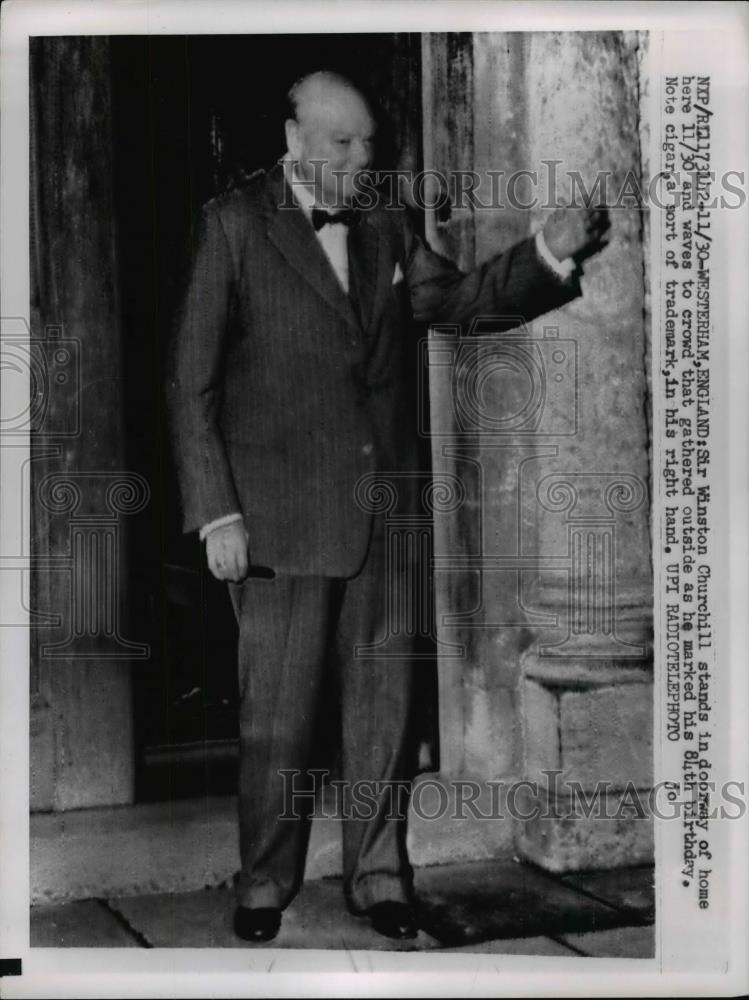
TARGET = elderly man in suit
(288,383)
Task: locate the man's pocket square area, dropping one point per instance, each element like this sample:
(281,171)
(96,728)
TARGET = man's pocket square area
(397,274)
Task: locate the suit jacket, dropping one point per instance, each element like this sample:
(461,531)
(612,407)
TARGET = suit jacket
(282,394)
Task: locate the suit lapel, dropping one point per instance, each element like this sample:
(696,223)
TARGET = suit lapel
(291,234)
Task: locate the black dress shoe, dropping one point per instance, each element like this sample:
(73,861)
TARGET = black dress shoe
(260,923)
(393,920)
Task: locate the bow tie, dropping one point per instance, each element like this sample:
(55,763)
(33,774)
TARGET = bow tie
(320,218)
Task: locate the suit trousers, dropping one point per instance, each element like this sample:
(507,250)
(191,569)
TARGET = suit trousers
(300,654)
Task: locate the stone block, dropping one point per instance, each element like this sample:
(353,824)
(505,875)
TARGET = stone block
(562,838)
(590,733)
(445,826)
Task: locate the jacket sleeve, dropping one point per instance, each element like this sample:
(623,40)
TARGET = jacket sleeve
(194,379)
(510,289)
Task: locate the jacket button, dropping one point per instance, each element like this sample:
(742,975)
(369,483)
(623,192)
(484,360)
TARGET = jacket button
(367,449)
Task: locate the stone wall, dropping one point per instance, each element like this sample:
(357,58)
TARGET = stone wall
(81,717)
(556,623)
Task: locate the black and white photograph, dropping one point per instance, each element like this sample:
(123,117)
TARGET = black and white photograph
(369,541)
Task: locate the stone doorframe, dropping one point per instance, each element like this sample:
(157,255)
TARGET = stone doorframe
(543,575)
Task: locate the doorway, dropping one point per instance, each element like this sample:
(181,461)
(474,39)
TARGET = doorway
(194,116)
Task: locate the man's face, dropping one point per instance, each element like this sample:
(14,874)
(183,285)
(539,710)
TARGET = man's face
(333,125)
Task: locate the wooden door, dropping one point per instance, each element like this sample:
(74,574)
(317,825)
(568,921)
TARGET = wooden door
(214,108)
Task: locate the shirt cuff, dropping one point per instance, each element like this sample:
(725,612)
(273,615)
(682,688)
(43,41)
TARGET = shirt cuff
(218,523)
(562,268)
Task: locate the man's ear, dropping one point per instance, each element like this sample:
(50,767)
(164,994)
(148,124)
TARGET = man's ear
(293,138)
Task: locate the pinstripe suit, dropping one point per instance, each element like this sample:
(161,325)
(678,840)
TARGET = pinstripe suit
(283,391)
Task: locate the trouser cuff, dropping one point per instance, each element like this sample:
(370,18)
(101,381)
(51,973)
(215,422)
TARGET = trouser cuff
(373,889)
(256,894)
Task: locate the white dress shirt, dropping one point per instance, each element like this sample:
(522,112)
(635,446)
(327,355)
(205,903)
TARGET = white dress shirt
(332,238)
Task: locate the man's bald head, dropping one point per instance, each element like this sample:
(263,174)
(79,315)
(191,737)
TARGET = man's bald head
(319,90)
(331,134)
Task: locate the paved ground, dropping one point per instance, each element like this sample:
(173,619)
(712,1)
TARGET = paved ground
(500,907)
